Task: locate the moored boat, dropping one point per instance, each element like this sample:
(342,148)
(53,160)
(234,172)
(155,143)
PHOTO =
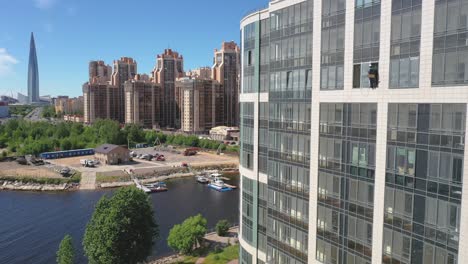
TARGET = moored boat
(157,187)
(202,179)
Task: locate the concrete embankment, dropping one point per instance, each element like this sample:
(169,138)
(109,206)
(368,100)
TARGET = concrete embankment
(19,186)
(146,180)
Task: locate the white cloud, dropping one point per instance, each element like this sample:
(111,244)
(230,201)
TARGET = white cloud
(6,62)
(45,4)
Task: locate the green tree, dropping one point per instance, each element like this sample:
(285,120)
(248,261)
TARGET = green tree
(222,227)
(66,253)
(65,144)
(122,229)
(135,133)
(184,237)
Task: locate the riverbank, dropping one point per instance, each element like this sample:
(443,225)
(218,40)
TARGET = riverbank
(216,249)
(170,173)
(20,186)
(20,183)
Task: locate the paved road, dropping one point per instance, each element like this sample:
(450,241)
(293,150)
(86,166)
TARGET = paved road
(35,115)
(88,180)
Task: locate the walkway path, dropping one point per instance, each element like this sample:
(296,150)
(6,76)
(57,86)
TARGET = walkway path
(88,180)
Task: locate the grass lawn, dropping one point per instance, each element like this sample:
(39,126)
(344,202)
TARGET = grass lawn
(223,257)
(228,254)
(188,260)
(100,178)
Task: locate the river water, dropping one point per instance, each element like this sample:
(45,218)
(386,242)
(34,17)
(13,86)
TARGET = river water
(33,224)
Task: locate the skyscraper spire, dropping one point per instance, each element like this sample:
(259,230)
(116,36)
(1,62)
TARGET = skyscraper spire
(33,73)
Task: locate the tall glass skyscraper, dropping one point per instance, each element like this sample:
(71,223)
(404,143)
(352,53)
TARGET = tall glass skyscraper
(33,73)
(353,126)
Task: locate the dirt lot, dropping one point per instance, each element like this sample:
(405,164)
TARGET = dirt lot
(172,159)
(176,157)
(14,169)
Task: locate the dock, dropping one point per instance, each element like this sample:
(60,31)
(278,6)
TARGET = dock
(230,186)
(141,187)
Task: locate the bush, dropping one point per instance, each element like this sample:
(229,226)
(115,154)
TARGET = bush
(222,228)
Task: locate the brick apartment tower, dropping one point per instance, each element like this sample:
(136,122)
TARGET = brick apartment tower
(124,69)
(201,104)
(226,70)
(142,102)
(169,67)
(98,94)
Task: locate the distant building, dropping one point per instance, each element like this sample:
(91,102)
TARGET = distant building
(8,100)
(169,67)
(73,118)
(222,133)
(202,72)
(201,104)
(22,99)
(4,110)
(109,154)
(142,103)
(226,70)
(33,73)
(66,105)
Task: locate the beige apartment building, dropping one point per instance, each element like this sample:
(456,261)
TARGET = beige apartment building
(202,72)
(124,69)
(66,105)
(100,102)
(142,103)
(103,94)
(201,104)
(169,66)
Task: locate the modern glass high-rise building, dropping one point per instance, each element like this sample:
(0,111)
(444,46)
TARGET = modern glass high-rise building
(33,73)
(353,123)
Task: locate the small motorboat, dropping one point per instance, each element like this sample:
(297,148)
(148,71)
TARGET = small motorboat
(202,179)
(157,187)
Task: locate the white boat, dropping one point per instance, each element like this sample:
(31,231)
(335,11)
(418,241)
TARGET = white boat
(215,175)
(156,187)
(216,184)
(202,179)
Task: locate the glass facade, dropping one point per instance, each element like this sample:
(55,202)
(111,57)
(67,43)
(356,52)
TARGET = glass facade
(290,52)
(346,182)
(250,58)
(405,43)
(333,41)
(366,41)
(450,61)
(425,152)
(284,140)
(246,134)
(248,209)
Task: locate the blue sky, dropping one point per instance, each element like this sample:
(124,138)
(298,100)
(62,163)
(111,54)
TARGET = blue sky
(70,33)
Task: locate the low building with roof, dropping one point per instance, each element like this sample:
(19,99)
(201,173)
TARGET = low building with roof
(222,133)
(110,154)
